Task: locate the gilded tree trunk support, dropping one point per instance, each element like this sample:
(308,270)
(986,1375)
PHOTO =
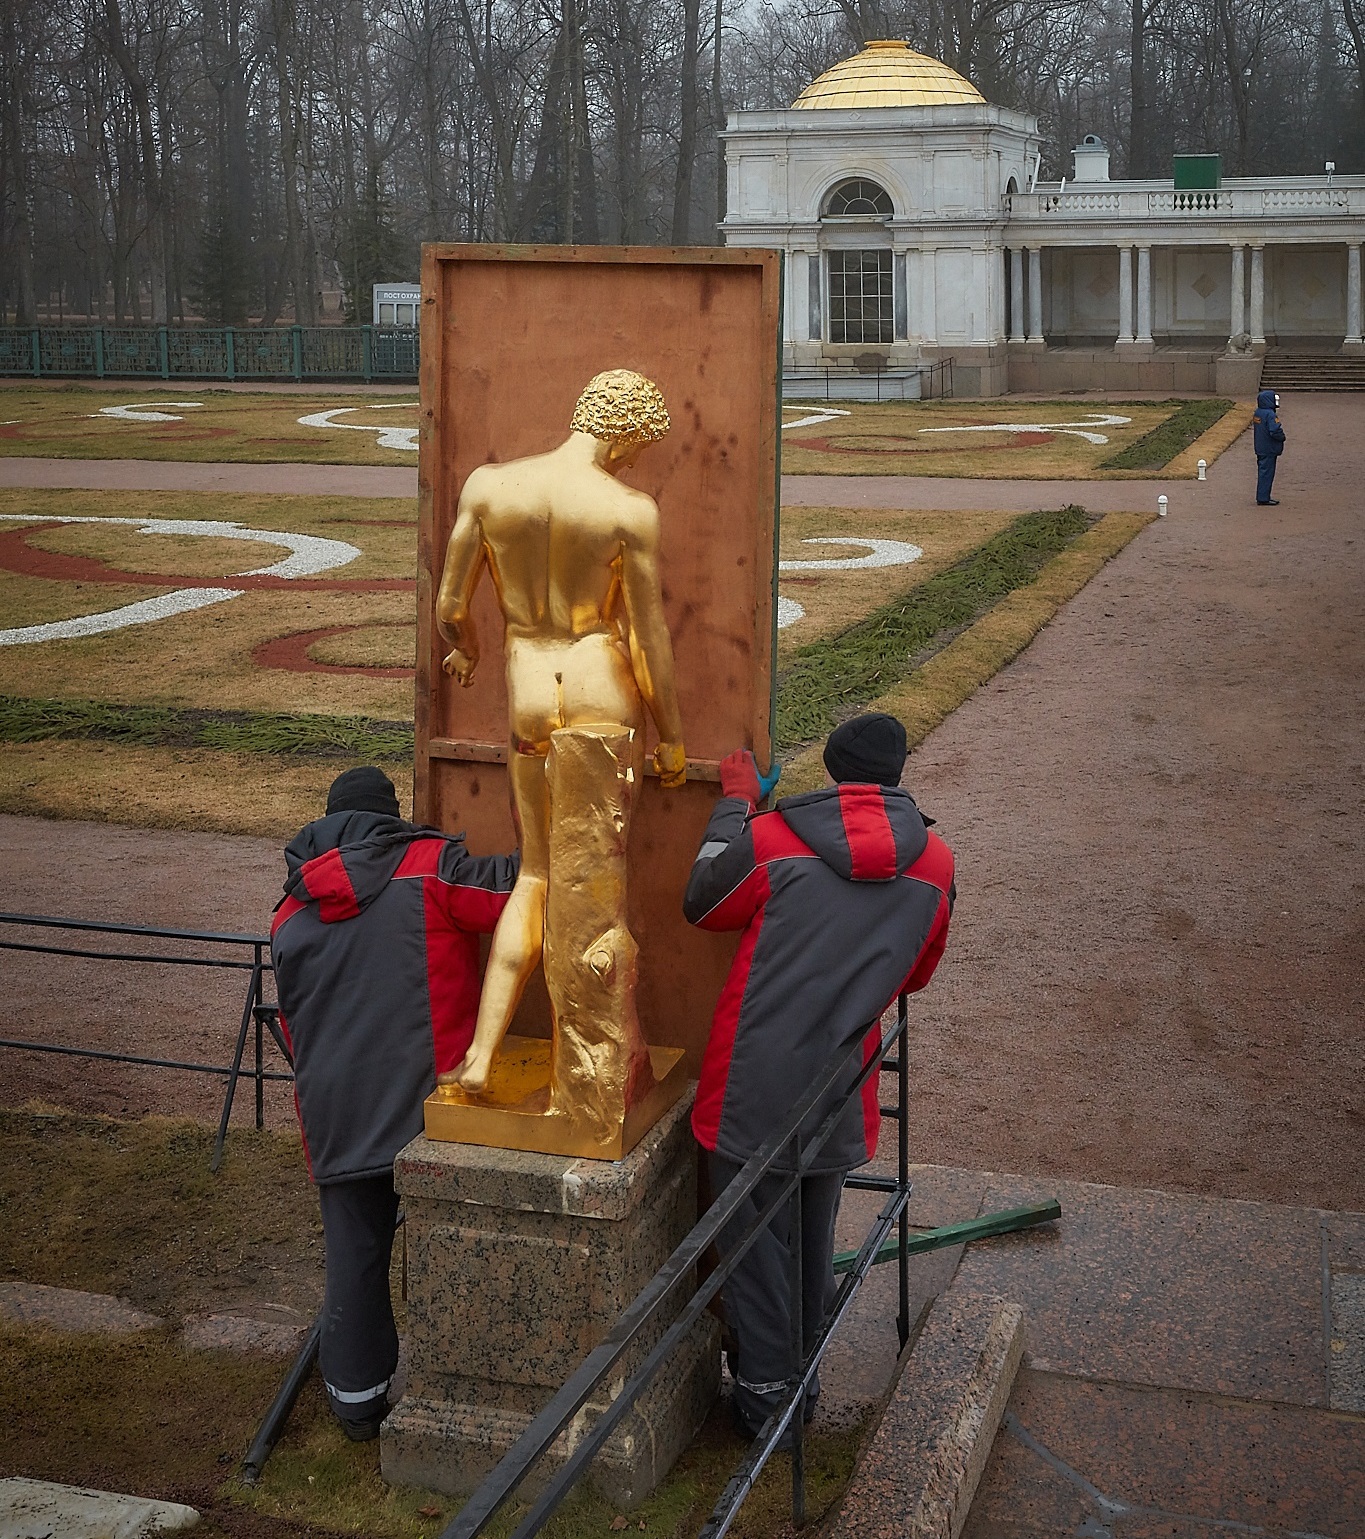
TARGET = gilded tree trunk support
(601,1066)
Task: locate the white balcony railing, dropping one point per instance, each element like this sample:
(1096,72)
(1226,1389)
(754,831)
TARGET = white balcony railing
(1139,201)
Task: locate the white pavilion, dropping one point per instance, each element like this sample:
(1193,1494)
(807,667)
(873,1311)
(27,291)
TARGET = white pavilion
(914,228)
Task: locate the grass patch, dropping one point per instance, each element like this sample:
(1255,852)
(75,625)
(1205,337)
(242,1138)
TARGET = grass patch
(903,438)
(931,693)
(1155,450)
(829,679)
(191,1243)
(143,1414)
(145,726)
(315,1478)
(225,425)
(191,788)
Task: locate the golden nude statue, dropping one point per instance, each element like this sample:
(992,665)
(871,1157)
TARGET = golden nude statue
(574,558)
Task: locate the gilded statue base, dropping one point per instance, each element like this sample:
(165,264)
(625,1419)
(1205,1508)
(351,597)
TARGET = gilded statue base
(513,1112)
(518,1265)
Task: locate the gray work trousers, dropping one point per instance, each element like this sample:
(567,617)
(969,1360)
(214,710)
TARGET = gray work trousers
(758,1293)
(358,1352)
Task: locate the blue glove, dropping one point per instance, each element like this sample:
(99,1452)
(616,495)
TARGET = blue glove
(768,781)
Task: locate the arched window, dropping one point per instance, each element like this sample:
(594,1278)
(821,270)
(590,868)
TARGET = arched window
(859,199)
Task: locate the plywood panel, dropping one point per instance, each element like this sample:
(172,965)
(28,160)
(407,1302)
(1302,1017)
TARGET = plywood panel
(510,337)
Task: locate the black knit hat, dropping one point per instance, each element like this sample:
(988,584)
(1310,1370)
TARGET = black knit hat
(366,789)
(868,749)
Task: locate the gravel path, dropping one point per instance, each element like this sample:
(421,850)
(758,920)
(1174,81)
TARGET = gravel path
(401,481)
(1157,971)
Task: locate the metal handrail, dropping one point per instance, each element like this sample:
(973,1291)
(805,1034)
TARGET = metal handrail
(546,1427)
(255,1010)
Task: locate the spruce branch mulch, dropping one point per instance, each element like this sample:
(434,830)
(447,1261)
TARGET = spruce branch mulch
(1155,450)
(155,726)
(832,678)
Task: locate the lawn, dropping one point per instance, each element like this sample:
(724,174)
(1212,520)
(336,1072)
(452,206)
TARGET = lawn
(1027,440)
(144,1414)
(198,423)
(276,660)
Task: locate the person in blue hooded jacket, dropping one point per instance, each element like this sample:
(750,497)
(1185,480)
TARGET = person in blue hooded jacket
(1269,435)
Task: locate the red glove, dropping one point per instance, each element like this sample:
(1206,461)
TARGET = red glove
(739,776)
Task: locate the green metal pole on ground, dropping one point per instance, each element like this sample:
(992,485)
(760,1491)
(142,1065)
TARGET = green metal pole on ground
(1006,1222)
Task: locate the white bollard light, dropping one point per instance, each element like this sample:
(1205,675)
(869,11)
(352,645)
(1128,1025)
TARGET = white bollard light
(1161,507)
(1203,468)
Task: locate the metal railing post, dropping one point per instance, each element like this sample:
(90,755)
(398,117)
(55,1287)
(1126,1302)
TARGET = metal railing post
(797,1281)
(99,352)
(297,339)
(163,337)
(903,1168)
(367,352)
(230,349)
(258,1001)
(37,347)
(247,1011)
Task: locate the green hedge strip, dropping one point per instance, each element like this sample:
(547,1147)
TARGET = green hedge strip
(1167,439)
(831,679)
(156,726)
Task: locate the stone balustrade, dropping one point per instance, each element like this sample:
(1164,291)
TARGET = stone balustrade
(1248,198)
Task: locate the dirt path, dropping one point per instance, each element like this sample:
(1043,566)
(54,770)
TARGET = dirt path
(401,481)
(1158,963)
(1158,968)
(130,876)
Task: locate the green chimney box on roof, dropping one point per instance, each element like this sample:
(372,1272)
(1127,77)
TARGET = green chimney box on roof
(1198,173)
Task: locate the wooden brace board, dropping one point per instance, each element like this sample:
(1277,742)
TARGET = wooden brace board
(510,336)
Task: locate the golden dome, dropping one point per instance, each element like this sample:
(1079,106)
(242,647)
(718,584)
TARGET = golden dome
(888,74)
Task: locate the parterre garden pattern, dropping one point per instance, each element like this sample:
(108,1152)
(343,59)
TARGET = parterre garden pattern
(980,439)
(268,638)
(179,420)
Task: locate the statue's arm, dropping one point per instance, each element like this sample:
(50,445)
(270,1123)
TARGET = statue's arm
(466,557)
(651,647)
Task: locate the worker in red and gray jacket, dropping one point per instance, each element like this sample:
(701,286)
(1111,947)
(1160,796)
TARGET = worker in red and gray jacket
(843,896)
(376,954)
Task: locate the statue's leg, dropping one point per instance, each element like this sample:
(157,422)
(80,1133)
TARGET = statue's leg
(520,935)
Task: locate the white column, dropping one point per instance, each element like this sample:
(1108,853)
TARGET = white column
(1017,294)
(1035,294)
(1238,293)
(1144,295)
(1257,327)
(928,298)
(1125,294)
(1353,296)
(815,311)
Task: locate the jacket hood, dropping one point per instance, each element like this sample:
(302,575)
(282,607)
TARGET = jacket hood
(1265,401)
(864,833)
(344,861)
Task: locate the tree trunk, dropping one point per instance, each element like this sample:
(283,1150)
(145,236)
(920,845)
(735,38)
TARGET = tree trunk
(1137,80)
(687,126)
(15,88)
(140,93)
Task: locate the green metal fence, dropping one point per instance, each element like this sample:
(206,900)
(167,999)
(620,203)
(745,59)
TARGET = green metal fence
(210,352)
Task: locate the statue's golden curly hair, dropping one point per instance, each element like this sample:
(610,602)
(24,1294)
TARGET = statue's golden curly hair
(621,407)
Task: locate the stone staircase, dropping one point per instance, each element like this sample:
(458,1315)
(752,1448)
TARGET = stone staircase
(1285,370)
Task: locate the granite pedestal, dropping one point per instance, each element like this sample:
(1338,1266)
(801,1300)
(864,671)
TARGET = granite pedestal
(518,1265)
